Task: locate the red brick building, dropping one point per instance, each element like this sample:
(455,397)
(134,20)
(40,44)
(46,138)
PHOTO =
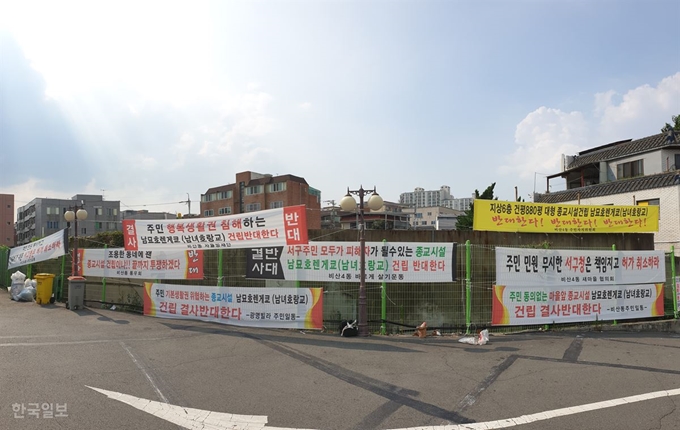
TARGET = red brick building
(256,192)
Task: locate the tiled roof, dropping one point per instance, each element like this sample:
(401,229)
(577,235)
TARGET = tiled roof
(649,182)
(623,149)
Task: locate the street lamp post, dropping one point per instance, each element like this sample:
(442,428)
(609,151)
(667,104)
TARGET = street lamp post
(71,216)
(348,203)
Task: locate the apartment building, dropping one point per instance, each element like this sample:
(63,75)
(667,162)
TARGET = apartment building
(643,171)
(422,198)
(7,220)
(44,216)
(256,191)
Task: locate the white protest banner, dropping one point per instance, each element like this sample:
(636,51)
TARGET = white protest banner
(569,304)
(49,247)
(119,263)
(273,227)
(527,267)
(296,308)
(339,262)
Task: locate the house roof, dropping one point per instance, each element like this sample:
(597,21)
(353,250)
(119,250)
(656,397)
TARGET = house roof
(639,183)
(621,149)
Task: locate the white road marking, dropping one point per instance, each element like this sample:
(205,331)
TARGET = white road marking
(148,377)
(199,419)
(78,342)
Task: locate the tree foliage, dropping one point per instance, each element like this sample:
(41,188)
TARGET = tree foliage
(674,124)
(465,222)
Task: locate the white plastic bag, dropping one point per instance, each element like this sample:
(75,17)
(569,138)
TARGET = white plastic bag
(481,339)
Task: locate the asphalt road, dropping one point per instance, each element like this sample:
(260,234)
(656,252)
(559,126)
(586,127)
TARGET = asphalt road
(111,370)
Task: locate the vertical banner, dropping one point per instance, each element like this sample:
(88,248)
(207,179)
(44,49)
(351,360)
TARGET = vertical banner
(546,286)
(273,227)
(49,247)
(296,308)
(119,263)
(339,262)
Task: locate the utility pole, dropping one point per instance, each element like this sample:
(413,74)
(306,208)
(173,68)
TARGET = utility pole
(332,202)
(188,202)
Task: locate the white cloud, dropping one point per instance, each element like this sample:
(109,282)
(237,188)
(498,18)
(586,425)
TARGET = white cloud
(305,105)
(641,112)
(542,137)
(546,133)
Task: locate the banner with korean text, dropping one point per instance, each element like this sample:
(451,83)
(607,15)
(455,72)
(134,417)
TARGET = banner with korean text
(494,215)
(545,286)
(296,308)
(52,246)
(677,292)
(119,263)
(339,262)
(273,227)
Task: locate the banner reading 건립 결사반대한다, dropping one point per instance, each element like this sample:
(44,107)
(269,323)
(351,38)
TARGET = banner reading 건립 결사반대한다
(273,227)
(339,262)
(296,308)
(546,286)
(495,215)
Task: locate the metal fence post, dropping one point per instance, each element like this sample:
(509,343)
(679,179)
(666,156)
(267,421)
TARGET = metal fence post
(468,287)
(383,303)
(103,299)
(674,280)
(219,268)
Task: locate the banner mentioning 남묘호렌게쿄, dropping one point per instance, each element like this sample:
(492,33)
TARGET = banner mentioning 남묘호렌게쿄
(495,215)
(296,308)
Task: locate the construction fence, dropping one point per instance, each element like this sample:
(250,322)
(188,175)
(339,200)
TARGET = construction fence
(460,306)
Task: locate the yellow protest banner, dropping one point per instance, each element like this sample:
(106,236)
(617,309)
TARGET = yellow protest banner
(494,215)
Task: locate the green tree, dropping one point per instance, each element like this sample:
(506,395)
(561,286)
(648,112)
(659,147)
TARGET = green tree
(465,222)
(675,124)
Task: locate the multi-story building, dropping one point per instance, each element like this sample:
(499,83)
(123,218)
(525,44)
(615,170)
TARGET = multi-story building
(255,192)
(643,171)
(44,216)
(390,216)
(422,198)
(7,220)
(433,218)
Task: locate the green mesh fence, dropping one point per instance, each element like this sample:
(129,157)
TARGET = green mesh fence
(463,306)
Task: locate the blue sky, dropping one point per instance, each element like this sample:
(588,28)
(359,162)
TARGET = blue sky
(148,101)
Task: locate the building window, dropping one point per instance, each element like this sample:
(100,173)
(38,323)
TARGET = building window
(97,225)
(208,212)
(276,205)
(677,163)
(111,226)
(98,211)
(630,169)
(224,211)
(252,207)
(279,186)
(115,212)
(222,195)
(255,189)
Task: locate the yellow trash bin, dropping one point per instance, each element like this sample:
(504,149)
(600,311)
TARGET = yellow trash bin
(43,290)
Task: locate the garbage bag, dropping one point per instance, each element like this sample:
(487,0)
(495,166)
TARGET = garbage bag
(16,289)
(26,295)
(18,277)
(482,338)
